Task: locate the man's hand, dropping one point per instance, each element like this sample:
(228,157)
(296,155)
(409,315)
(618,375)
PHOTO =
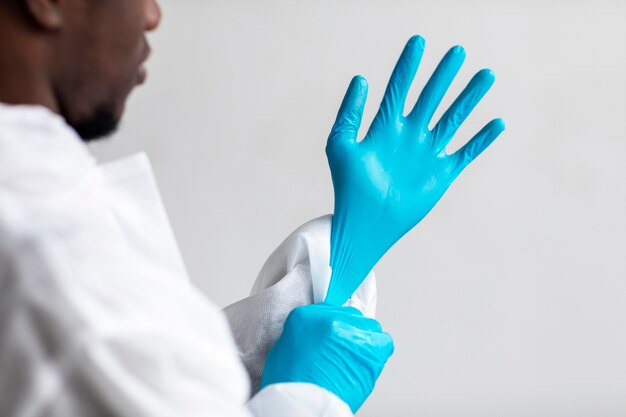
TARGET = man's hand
(336,348)
(386,184)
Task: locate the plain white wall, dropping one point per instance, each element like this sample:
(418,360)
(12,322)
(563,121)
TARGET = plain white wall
(509,299)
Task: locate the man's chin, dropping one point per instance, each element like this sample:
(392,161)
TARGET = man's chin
(101,124)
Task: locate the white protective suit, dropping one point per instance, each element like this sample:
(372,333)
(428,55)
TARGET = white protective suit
(97,315)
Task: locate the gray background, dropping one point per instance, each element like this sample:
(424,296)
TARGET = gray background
(509,299)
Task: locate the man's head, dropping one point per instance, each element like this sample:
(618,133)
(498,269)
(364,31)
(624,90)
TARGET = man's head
(81,58)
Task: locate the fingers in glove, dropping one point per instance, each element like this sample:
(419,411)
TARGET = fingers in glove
(378,343)
(385,344)
(362,323)
(350,316)
(392,106)
(462,107)
(436,87)
(481,141)
(346,127)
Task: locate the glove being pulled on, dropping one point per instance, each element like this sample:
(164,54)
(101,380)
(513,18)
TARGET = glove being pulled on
(385,184)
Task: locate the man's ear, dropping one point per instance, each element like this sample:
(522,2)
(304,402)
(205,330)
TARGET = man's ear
(47,14)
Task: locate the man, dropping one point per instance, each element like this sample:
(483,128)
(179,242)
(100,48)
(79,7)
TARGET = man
(97,317)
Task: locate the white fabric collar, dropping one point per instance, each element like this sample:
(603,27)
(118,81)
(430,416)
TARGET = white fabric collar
(39,151)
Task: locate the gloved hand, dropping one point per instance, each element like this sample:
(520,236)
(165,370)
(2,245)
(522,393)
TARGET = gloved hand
(385,184)
(336,348)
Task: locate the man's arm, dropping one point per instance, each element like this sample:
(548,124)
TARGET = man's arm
(112,336)
(296,274)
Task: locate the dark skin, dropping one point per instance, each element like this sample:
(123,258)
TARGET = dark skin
(79,58)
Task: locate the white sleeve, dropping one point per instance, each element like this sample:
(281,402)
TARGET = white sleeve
(297,399)
(296,274)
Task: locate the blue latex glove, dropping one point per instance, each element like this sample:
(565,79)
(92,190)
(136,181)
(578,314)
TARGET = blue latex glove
(386,183)
(336,348)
